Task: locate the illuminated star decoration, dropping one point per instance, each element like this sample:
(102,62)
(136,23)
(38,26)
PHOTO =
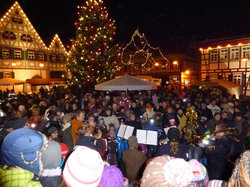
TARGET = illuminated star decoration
(142,48)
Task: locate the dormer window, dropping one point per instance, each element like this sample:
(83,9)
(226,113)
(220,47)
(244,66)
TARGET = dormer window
(17,12)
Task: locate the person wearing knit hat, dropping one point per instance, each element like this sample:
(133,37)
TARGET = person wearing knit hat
(166,171)
(84,167)
(51,160)
(133,142)
(133,160)
(112,177)
(53,133)
(173,147)
(200,175)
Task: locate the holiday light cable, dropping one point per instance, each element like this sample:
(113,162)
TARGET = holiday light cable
(141,50)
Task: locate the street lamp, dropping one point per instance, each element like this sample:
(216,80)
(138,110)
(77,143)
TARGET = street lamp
(245,81)
(187,72)
(41,66)
(176,63)
(13,65)
(157,64)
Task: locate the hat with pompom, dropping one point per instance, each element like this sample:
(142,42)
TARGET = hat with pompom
(167,171)
(200,176)
(112,177)
(84,167)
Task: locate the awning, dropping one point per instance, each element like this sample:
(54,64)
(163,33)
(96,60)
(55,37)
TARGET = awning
(10,82)
(41,81)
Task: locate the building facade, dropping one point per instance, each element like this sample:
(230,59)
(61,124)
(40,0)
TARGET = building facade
(23,54)
(227,59)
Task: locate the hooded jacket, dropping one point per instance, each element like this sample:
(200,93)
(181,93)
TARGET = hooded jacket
(17,177)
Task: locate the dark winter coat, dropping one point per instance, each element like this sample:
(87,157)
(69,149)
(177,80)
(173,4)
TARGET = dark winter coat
(217,155)
(88,141)
(212,124)
(207,113)
(165,149)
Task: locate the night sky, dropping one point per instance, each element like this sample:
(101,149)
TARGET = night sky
(166,23)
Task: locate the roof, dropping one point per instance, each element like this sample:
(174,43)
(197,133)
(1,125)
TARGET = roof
(235,40)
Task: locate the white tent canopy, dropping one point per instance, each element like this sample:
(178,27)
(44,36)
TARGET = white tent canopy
(125,83)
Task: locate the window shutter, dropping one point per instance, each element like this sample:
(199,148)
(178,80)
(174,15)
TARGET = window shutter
(1,53)
(26,55)
(50,58)
(11,53)
(1,75)
(37,56)
(45,57)
(22,53)
(13,75)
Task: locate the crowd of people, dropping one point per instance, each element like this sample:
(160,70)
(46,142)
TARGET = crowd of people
(60,137)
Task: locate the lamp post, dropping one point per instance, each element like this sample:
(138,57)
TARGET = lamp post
(41,66)
(176,63)
(245,81)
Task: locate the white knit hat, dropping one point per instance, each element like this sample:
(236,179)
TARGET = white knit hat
(84,167)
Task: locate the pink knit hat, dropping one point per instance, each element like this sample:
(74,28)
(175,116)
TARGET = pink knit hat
(84,167)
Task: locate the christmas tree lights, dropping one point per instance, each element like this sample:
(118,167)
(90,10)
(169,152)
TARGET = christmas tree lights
(92,59)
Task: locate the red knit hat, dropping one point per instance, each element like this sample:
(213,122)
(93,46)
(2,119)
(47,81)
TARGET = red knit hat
(64,150)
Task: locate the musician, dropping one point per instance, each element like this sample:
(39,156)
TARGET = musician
(217,153)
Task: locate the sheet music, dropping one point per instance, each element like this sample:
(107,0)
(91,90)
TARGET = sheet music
(129,132)
(152,137)
(121,131)
(141,136)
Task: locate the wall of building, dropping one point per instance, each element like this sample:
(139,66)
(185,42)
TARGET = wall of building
(231,62)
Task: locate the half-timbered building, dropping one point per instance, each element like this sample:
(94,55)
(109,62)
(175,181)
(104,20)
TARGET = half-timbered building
(23,54)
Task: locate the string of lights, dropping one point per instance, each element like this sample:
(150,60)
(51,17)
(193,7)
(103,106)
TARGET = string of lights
(145,51)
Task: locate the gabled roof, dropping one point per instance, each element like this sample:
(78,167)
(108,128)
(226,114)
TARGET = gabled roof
(17,10)
(57,46)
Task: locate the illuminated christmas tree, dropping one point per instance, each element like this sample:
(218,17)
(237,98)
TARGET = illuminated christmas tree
(93,59)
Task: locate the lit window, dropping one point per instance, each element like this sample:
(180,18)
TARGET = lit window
(223,54)
(53,58)
(8,35)
(26,38)
(7,75)
(41,56)
(214,55)
(31,55)
(17,54)
(234,53)
(17,20)
(245,51)
(5,53)
(60,58)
